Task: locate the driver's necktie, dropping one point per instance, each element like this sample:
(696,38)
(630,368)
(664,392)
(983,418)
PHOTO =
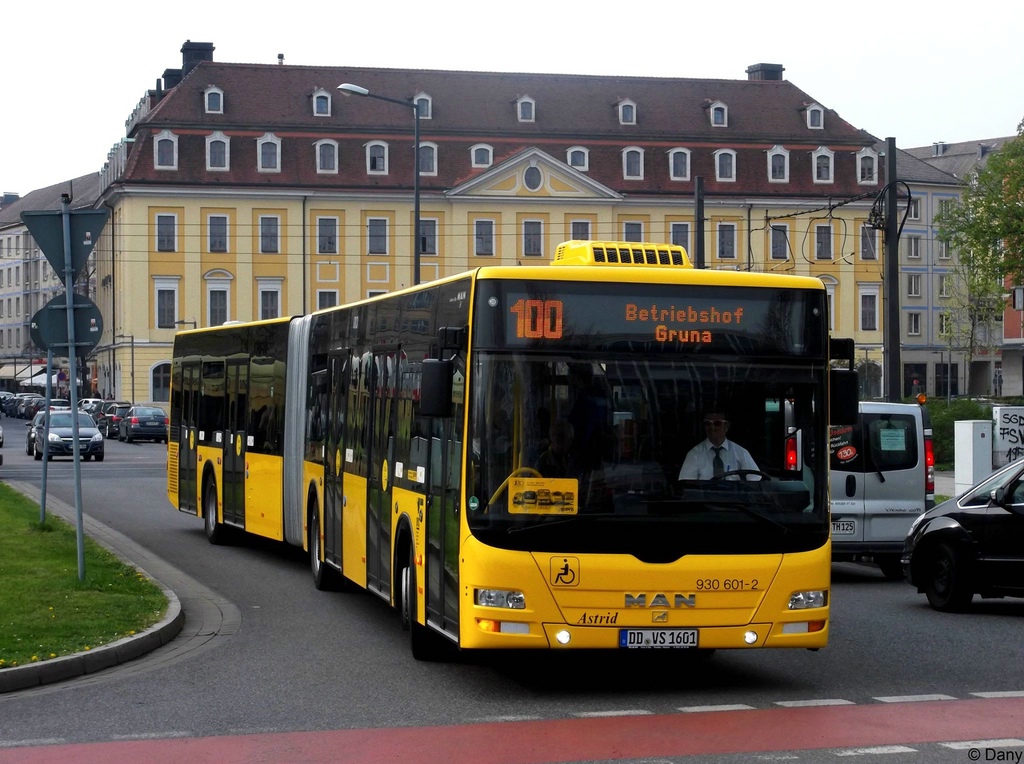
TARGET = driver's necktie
(717,463)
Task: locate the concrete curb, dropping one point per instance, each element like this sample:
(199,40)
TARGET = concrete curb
(103,656)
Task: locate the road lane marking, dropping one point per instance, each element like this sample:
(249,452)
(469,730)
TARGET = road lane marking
(913,698)
(702,709)
(812,703)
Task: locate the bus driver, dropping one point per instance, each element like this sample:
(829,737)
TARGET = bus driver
(716,455)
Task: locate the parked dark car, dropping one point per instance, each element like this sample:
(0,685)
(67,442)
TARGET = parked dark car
(143,423)
(25,402)
(971,545)
(61,436)
(108,419)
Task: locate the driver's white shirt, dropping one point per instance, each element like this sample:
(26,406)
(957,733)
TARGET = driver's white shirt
(699,463)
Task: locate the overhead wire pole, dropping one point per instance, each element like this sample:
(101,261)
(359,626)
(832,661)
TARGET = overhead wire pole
(891,347)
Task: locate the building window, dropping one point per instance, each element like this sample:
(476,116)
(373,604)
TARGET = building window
(578,158)
(914,208)
(525,108)
(214,98)
(868,243)
(166,304)
(822,242)
(160,379)
(945,285)
(580,230)
(428,159)
(218,297)
(270,299)
(726,241)
(377,236)
(944,324)
(680,235)
(166,233)
(632,231)
(718,113)
(780,242)
(376,158)
(778,165)
(823,159)
(481,155)
(815,117)
(679,164)
(533,238)
(321,104)
(869,310)
(218,152)
(725,165)
(484,238)
(532,178)
(326,298)
(269,231)
(326,157)
(914,324)
(428,236)
(912,247)
(424,106)
(327,236)
(165,147)
(217,233)
(913,285)
(218,306)
(945,250)
(867,167)
(269,153)
(627,113)
(633,163)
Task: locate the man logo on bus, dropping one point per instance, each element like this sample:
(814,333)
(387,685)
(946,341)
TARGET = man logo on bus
(661,600)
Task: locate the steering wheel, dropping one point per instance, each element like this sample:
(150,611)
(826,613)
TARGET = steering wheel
(742,474)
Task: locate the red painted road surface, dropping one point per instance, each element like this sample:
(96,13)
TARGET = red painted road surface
(546,742)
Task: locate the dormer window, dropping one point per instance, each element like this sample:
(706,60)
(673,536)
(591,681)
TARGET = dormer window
(718,113)
(376,158)
(815,117)
(214,99)
(725,165)
(321,103)
(424,106)
(268,153)
(578,158)
(823,160)
(165,151)
(218,152)
(481,155)
(867,167)
(326,157)
(627,113)
(679,164)
(526,109)
(633,163)
(778,165)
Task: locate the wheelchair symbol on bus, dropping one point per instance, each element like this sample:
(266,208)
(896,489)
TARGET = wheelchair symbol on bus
(565,571)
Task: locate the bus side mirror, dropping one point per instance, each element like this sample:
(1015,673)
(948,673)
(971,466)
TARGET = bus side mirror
(844,390)
(436,388)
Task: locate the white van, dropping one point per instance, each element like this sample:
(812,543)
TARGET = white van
(882,478)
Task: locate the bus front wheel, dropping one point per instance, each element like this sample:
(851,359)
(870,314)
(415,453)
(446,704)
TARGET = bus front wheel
(426,646)
(214,530)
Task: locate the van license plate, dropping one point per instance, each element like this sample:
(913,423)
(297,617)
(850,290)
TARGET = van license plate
(653,638)
(844,527)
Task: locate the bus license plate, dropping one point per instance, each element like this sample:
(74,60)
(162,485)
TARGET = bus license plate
(653,638)
(844,527)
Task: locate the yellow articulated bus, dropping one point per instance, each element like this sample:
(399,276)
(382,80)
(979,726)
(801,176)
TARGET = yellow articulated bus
(499,455)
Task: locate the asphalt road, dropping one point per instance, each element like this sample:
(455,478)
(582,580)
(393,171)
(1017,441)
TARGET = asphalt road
(312,676)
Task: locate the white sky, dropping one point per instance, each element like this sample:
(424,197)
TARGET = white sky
(939,71)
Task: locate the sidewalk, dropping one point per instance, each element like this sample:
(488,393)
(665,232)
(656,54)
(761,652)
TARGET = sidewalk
(945,484)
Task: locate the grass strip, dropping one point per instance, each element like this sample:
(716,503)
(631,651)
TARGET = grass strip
(45,611)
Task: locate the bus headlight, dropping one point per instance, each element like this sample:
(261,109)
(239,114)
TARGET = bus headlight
(505,598)
(804,600)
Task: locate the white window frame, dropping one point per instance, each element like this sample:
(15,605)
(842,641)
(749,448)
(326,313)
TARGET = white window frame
(676,226)
(723,236)
(784,228)
(227,233)
(165,135)
(437,236)
(387,158)
(218,281)
(424,105)
(672,153)
(481,147)
(873,291)
(913,285)
(268,138)
(318,94)
(316,156)
(212,138)
(320,303)
(945,250)
(718,107)
(945,318)
(626,152)
(387,237)
(913,324)
(945,284)
(539,235)
(819,228)
(520,103)
(776,151)
(913,247)
(431,148)
(866,230)
(718,165)
(862,155)
(586,158)
(272,285)
(156,231)
(337,235)
(624,106)
(812,109)
(572,229)
(165,284)
(826,152)
(206,100)
(277,236)
(914,208)
(639,225)
(492,238)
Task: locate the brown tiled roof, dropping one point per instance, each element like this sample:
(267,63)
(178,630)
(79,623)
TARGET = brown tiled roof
(480,107)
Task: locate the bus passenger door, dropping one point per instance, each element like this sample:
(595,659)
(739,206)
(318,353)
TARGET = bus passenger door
(234,443)
(381,470)
(187,439)
(334,457)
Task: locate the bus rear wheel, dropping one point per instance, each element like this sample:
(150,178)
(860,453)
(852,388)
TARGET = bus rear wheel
(325,578)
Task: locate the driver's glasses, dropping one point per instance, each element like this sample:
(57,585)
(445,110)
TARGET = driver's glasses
(715,422)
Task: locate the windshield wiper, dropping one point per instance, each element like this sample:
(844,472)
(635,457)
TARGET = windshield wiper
(747,510)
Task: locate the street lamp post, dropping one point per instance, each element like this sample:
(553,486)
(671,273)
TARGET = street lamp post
(347,88)
(130,338)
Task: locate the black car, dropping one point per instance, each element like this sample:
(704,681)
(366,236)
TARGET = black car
(971,545)
(108,419)
(143,423)
(61,440)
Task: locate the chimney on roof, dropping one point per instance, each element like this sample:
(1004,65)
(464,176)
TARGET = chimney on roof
(8,198)
(938,148)
(983,150)
(192,53)
(280,58)
(765,72)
